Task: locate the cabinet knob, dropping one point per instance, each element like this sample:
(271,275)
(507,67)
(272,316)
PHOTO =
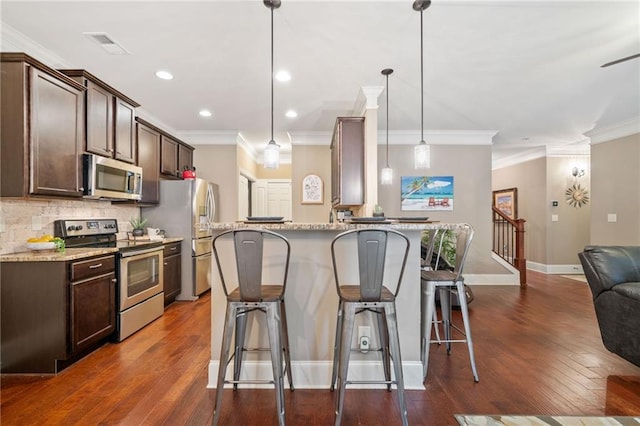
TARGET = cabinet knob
(165,263)
(114,280)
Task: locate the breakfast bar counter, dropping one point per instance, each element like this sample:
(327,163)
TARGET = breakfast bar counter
(312,304)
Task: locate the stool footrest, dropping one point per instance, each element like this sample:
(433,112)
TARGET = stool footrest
(250,382)
(371,382)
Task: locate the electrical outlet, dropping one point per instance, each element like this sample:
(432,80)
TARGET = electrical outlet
(364,333)
(36,223)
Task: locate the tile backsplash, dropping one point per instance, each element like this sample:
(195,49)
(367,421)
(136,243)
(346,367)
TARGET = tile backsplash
(18,218)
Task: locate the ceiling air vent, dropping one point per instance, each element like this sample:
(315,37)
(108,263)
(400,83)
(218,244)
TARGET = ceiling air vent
(107,43)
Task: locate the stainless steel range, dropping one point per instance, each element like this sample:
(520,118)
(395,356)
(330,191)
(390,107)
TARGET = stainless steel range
(139,270)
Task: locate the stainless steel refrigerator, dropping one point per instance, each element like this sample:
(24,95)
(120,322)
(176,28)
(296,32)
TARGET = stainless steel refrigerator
(186,209)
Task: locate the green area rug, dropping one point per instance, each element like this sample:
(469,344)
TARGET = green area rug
(497,420)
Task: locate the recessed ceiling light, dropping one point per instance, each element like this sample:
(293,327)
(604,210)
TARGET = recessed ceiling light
(205,113)
(283,75)
(291,114)
(165,75)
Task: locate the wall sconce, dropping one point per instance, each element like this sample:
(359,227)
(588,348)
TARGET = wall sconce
(577,172)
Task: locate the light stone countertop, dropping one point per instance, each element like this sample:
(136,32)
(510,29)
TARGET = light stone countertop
(336,226)
(67,254)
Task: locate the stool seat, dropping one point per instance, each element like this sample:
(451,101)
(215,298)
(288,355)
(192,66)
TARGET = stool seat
(351,293)
(270,293)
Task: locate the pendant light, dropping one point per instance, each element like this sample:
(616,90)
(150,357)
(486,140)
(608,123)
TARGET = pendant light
(422,151)
(386,176)
(272,150)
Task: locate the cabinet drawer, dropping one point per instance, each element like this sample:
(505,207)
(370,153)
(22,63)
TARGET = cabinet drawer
(92,267)
(171,249)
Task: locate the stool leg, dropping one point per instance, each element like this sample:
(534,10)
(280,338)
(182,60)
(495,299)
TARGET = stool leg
(467,328)
(274,328)
(336,348)
(346,334)
(445,309)
(394,345)
(428,295)
(241,331)
(229,321)
(383,338)
(285,343)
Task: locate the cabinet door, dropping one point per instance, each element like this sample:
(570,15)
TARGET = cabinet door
(169,158)
(125,142)
(185,158)
(56,137)
(149,160)
(99,120)
(93,310)
(172,277)
(347,167)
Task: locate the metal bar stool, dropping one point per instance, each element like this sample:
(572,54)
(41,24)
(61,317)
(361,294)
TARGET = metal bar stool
(252,295)
(446,282)
(372,295)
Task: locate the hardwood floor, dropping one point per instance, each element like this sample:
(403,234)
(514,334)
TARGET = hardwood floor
(538,351)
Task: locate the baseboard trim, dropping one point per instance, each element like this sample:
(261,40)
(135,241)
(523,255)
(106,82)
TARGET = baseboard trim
(555,269)
(317,374)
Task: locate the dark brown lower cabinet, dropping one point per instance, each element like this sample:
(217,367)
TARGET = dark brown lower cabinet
(172,271)
(53,313)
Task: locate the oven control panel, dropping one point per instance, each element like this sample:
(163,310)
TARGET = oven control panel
(83,227)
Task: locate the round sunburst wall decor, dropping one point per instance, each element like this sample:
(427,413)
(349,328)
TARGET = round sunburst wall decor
(576,195)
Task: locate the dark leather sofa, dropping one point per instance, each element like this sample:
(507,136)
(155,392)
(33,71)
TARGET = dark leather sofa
(613,273)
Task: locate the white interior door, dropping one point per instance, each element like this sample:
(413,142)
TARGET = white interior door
(272,198)
(243,197)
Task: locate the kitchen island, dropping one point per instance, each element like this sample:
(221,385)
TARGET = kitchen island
(312,303)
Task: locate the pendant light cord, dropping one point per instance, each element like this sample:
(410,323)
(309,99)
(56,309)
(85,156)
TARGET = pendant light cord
(272,73)
(421,82)
(387,120)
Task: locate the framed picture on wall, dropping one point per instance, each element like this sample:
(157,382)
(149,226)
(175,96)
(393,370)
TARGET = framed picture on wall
(506,200)
(426,193)
(312,190)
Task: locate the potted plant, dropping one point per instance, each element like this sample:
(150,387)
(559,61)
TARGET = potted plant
(137,223)
(377,211)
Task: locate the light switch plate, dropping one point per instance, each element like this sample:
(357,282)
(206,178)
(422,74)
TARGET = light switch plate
(612,217)
(554,218)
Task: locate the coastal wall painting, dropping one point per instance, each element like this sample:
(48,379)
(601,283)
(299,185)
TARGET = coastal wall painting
(426,193)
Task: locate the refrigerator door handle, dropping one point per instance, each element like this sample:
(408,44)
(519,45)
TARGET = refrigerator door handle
(212,204)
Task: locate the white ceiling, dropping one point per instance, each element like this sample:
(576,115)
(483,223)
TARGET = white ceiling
(529,70)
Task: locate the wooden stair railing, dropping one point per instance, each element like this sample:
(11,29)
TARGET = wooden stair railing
(508,242)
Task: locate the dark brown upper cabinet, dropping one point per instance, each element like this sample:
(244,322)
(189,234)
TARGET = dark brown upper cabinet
(149,159)
(41,129)
(109,118)
(176,157)
(347,162)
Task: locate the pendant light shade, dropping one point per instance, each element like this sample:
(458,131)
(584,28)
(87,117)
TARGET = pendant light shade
(422,151)
(386,175)
(272,150)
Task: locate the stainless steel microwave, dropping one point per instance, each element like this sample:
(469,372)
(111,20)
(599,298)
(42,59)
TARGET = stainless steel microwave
(111,179)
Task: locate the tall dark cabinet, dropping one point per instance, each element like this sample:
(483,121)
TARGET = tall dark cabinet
(149,159)
(347,162)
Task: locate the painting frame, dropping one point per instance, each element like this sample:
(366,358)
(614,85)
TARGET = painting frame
(426,193)
(312,189)
(506,200)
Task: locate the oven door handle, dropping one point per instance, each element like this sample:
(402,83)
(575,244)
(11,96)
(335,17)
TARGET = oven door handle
(139,252)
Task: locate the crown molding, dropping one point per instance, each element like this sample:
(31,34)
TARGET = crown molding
(211,137)
(14,40)
(521,157)
(614,131)
(310,138)
(367,99)
(439,137)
